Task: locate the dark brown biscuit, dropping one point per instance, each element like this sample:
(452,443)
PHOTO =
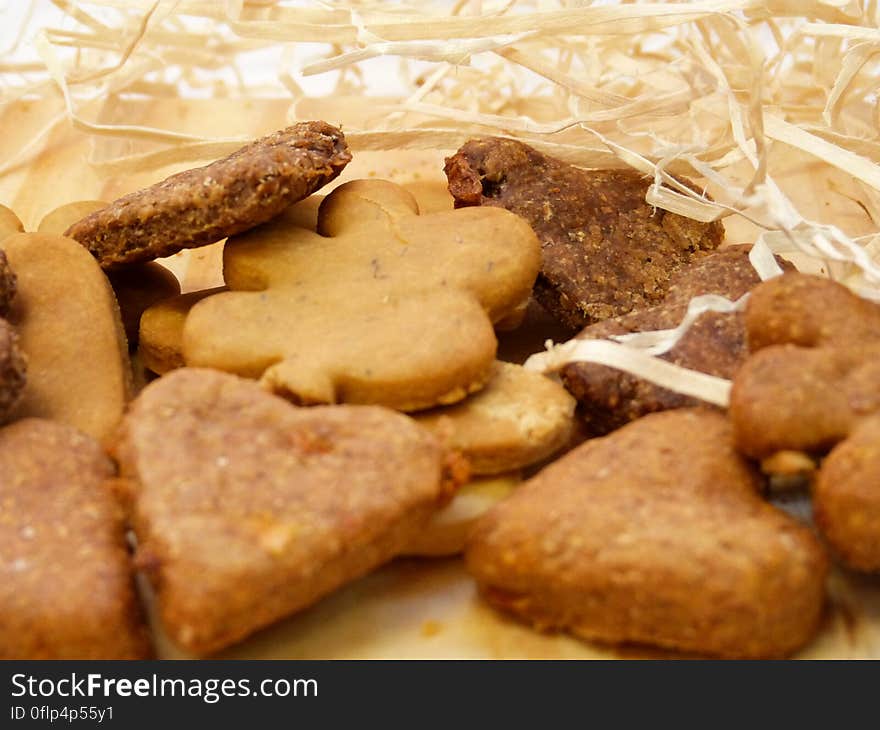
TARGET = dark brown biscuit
(12,371)
(606,251)
(7,286)
(846,498)
(247,508)
(815,371)
(66,579)
(198,207)
(714,344)
(657,535)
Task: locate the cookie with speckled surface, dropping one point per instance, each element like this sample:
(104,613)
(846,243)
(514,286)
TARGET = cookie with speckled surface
(606,252)
(197,207)
(520,418)
(655,534)
(66,578)
(13,371)
(248,509)
(715,344)
(380,306)
(9,224)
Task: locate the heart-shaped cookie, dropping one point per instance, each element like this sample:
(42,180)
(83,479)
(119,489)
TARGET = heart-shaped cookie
(247,508)
(655,534)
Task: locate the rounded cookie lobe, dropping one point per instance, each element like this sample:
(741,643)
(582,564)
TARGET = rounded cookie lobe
(197,207)
(66,578)
(655,534)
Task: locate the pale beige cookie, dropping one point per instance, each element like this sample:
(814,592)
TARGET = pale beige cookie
(9,222)
(380,306)
(137,287)
(447,531)
(71,333)
(520,418)
(160,342)
(247,509)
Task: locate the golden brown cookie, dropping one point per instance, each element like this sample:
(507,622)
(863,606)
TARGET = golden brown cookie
(655,534)
(247,509)
(198,207)
(66,579)
(380,306)
(161,331)
(9,224)
(71,334)
(520,418)
(447,531)
(846,497)
(606,251)
(814,374)
(714,344)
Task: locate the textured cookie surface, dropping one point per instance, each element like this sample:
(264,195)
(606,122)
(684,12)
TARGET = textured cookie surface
(9,224)
(655,534)
(13,369)
(606,252)
(247,508)
(518,419)
(714,344)
(198,207)
(66,579)
(71,334)
(381,306)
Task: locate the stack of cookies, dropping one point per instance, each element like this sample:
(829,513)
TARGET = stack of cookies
(339,401)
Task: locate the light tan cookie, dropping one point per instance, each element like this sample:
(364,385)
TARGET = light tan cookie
(137,287)
(655,534)
(247,508)
(160,342)
(66,579)
(518,419)
(380,306)
(9,223)
(447,531)
(200,206)
(70,331)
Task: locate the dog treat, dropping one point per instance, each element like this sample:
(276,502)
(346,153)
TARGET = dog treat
(9,223)
(381,306)
(518,419)
(71,334)
(247,508)
(198,207)
(714,344)
(13,368)
(814,374)
(846,498)
(656,535)
(161,331)
(66,579)
(606,251)
(447,531)
(137,287)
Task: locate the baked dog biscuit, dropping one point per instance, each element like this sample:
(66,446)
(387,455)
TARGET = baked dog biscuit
(518,419)
(813,384)
(714,344)
(247,508)
(9,224)
(197,207)
(814,374)
(13,368)
(70,331)
(846,498)
(137,287)
(606,251)
(66,579)
(655,534)
(381,306)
